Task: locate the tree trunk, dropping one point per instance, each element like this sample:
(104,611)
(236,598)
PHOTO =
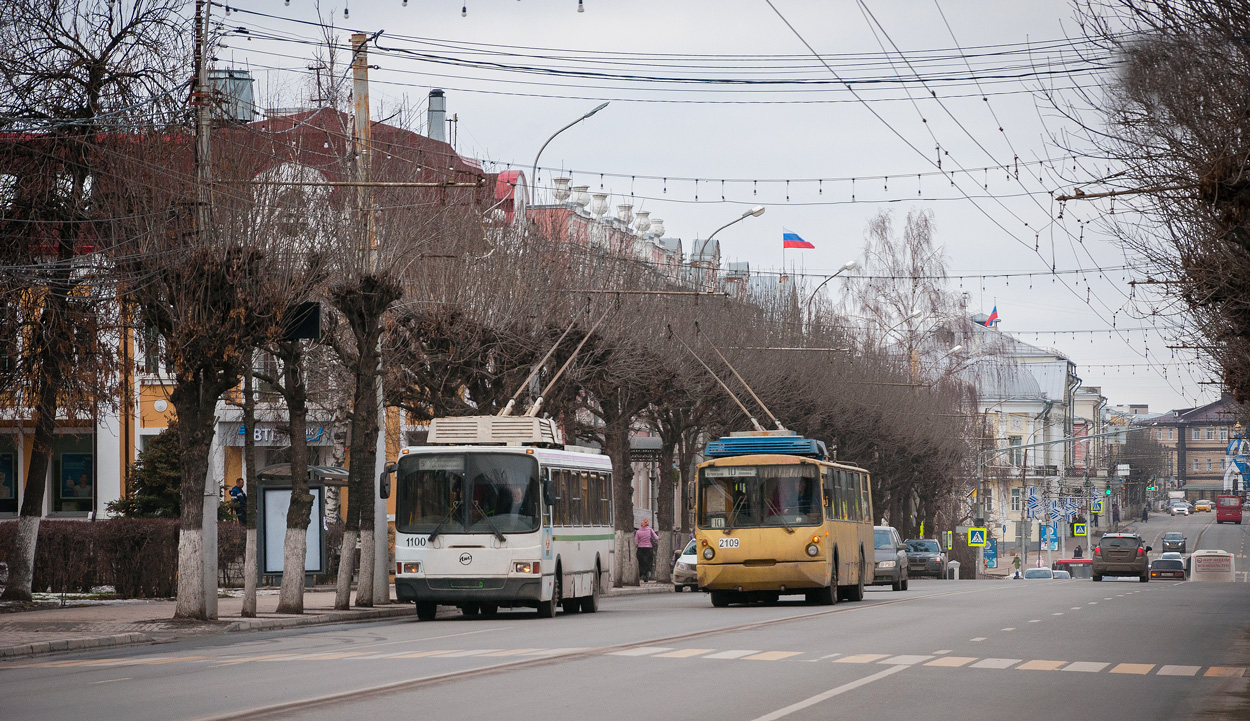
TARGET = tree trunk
(195,403)
(664,513)
(616,438)
(22,565)
(295,546)
(252,488)
(347,562)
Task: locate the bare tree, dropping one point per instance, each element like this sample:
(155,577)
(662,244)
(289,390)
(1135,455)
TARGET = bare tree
(69,72)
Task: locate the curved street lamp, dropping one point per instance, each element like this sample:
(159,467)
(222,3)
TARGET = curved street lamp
(534,170)
(848,265)
(755,212)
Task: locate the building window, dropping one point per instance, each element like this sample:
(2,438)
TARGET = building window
(1158,434)
(1223,434)
(1015,499)
(1197,435)
(989,499)
(1195,464)
(73,474)
(8,474)
(1222,460)
(1016,454)
(1170,434)
(1210,434)
(1208,464)
(1016,423)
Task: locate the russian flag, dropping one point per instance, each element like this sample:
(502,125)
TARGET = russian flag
(993,317)
(791,239)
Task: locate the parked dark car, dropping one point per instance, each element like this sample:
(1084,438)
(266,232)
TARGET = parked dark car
(1167,568)
(1174,541)
(925,558)
(890,556)
(1121,554)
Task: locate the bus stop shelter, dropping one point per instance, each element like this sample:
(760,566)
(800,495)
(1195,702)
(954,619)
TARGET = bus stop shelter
(272,503)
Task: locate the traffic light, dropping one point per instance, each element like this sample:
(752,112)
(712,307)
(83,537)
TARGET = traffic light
(1107,492)
(1150,488)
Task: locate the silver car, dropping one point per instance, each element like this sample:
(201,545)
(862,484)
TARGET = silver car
(685,572)
(890,557)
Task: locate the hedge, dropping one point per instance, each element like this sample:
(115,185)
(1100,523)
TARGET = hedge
(137,556)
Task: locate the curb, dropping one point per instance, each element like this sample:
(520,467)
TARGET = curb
(321,619)
(73,644)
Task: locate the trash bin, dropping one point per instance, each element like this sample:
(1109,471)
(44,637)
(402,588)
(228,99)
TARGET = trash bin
(952,570)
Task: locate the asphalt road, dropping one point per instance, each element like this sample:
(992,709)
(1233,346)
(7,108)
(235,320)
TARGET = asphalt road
(1119,649)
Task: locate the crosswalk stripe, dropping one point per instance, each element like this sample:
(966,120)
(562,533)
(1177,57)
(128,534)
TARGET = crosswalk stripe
(861,658)
(1086,666)
(996,663)
(1138,669)
(736,653)
(951,661)
(1225,671)
(641,651)
(1040,665)
(905,660)
(685,653)
(772,655)
(1178,670)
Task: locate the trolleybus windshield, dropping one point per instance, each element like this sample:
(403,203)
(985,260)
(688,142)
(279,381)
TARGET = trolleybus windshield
(759,496)
(467,493)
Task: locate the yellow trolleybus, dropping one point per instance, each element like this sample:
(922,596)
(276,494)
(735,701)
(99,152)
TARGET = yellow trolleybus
(776,517)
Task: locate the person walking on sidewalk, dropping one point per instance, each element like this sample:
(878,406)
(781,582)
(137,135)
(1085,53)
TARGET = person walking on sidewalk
(645,539)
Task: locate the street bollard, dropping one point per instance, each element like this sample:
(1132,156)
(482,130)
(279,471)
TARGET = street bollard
(952,570)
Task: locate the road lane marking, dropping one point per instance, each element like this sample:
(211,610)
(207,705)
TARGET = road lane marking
(736,653)
(1040,665)
(1225,672)
(514,652)
(1093,603)
(862,658)
(433,638)
(549,652)
(1035,620)
(1076,608)
(111,680)
(996,663)
(423,654)
(1178,670)
(783,712)
(772,655)
(642,651)
(1086,666)
(1010,628)
(822,658)
(951,661)
(945,650)
(905,660)
(1057,613)
(471,652)
(685,653)
(1139,669)
(978,638)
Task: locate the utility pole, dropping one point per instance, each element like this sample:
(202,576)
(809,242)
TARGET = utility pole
(369,261)
(203,176)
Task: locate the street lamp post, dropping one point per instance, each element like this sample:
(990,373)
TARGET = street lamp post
(534,170)
(848,265)
(757,211)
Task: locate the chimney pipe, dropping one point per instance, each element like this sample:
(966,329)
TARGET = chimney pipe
(437,116)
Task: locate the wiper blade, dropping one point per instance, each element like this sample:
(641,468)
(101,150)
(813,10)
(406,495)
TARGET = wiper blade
(438,529)
(733,515)
(493,528)
(777,512)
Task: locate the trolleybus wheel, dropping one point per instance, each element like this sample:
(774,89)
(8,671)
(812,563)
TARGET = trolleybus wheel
(547,609)
(470,609)
(590,604)
(489,610)
(720,599)
(426,610)
(856,592)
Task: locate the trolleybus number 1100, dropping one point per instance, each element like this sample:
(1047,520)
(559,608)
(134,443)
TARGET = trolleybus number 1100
(727,543)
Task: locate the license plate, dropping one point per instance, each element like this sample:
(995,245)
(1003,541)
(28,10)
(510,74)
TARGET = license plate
(727,543)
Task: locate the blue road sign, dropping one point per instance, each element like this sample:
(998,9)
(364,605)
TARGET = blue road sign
(977,536)
(991,554)
(1080,529)
(1096,507)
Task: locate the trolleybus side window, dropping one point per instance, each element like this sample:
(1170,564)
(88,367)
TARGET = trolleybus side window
(605,498)
(865,498)
(562,496)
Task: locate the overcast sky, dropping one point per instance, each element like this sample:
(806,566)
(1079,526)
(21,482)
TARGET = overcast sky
(990,222)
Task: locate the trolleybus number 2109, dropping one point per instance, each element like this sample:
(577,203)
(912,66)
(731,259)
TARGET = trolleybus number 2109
(727,543)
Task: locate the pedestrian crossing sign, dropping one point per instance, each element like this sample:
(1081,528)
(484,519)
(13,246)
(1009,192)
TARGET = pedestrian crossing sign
(1080,529)
(1096,507)
(976,536)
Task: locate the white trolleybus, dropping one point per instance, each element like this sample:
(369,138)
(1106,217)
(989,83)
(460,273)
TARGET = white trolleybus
(495,512)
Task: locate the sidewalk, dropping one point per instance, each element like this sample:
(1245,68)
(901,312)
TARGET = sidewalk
(116,623)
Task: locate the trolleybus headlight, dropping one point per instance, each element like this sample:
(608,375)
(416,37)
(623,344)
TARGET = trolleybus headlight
(812,549)
(525,567)
(408,567)
(708,553)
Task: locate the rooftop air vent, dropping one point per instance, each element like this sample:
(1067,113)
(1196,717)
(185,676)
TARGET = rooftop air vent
(493,430)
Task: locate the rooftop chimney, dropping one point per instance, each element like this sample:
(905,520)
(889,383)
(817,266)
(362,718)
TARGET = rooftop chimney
(437,116)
